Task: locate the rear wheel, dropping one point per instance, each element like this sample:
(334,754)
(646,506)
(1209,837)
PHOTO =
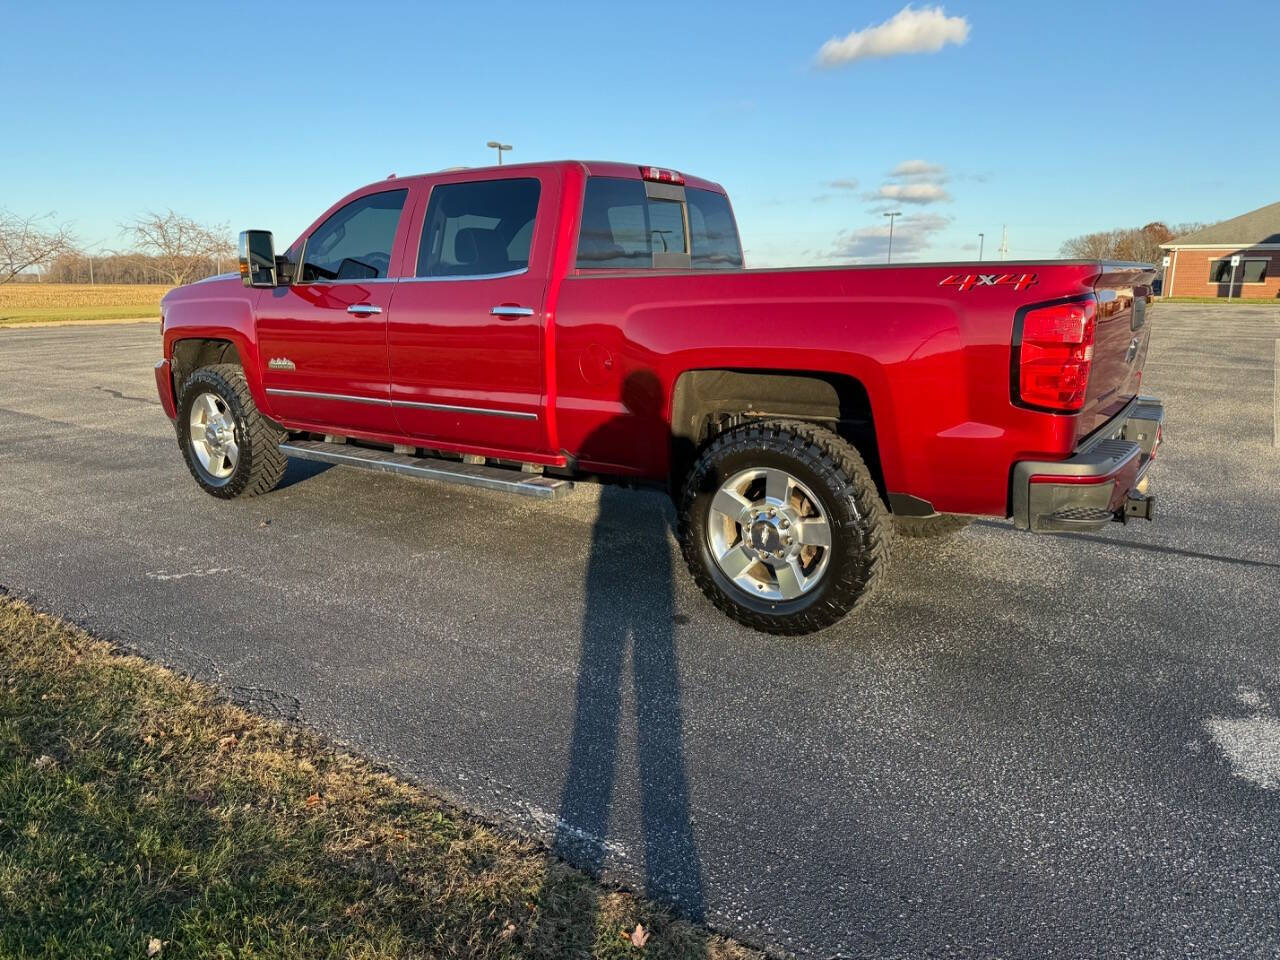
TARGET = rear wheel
(230,448)
(927,528)
(782,526)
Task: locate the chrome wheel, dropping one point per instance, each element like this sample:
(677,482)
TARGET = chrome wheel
(212,429)
(768,534)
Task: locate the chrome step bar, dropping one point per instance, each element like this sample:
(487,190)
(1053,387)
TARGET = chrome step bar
(430,468)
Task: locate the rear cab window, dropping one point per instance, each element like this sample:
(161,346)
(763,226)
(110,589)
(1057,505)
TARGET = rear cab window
(633,224)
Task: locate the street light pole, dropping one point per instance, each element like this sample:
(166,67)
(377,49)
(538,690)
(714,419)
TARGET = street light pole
(891,215)
(499,146)
(89,252)
(981,240)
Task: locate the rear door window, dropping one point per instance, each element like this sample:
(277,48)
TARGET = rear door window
(476,229)
(355,243)
(625,228)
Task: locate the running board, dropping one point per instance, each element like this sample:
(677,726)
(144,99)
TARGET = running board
(430,468)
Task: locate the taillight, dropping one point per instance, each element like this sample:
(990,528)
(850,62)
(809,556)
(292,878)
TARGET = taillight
(1053,354)
(658,175)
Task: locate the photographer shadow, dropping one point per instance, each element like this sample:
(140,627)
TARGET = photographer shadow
(629,622)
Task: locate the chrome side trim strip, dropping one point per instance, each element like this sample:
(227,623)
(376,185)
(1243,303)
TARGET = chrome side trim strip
(344,283)
(477,276)
(281,392)
(453,408)
(378,401)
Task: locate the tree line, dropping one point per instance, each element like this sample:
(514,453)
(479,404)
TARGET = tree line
(166,248)
(173,249)
(1127,243)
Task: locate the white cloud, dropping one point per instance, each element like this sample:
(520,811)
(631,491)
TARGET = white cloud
(912,181)
(920,193)
(926,30)
(911,234)
(844,183)
(919,170)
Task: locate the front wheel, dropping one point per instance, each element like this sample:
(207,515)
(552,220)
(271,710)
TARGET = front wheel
(231,449)
(782,526)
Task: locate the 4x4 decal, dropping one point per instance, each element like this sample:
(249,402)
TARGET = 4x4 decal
(967,281)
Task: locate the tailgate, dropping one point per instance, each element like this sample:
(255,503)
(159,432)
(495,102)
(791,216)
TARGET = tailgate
(1120,343)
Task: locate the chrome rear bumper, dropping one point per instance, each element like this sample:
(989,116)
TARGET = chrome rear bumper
(1104,480)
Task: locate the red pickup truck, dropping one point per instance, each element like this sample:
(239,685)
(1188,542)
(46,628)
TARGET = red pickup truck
(521,327)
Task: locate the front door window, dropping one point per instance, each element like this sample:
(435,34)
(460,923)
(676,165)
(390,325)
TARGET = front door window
(356,242)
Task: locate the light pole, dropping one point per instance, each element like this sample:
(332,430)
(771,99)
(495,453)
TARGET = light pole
(499,146)
(89,257)
(982,237)
(891,215)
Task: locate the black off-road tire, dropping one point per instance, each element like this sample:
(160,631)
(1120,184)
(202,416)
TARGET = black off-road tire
(927,528)
(260,464)
(861,525)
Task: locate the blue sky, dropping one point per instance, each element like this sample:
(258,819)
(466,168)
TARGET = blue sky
(1053,118)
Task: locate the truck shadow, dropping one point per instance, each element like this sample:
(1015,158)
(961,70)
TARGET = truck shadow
(629,623)
(298,470)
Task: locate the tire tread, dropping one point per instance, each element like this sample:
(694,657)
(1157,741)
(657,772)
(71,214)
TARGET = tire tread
(262,455)
(846,474)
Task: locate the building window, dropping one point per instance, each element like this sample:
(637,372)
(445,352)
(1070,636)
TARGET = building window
(1249,271)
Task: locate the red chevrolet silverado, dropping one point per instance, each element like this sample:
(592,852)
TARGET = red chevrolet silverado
(521,327)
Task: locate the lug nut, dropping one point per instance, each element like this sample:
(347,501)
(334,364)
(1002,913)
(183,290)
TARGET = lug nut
(773,512)
(785,523)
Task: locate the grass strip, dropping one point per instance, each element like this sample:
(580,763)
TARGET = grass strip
(59,314)
(141,814)
(1223,301)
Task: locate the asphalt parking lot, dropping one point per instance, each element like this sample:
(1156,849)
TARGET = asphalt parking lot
(1029,746)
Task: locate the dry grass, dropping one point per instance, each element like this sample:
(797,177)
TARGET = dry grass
(135,804)
(34,302)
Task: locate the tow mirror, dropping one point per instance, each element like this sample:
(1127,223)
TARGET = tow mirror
(257,258)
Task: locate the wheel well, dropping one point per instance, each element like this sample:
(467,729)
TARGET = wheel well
(708,402)
(190,355)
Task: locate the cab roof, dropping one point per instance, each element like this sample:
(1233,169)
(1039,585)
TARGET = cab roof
(593,168)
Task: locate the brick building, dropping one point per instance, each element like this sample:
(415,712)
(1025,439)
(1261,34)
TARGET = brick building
(1200,262)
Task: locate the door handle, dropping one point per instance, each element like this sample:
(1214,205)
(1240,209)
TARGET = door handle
(363,309)
(509,312)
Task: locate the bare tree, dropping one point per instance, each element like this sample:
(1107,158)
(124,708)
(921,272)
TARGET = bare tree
(27,242)
(179,247)
(1132,243)
(1090,246)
